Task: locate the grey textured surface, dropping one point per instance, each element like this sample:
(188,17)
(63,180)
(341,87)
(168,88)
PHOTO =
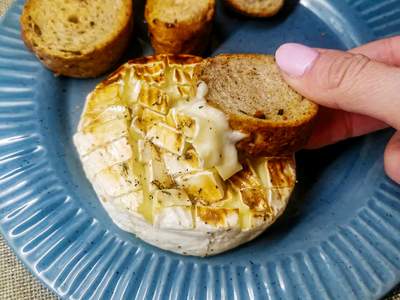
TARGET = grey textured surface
(15,280)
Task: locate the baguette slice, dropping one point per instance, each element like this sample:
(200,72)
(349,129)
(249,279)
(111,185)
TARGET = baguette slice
(179,26)
(77,38)
(258,102)
(256,8)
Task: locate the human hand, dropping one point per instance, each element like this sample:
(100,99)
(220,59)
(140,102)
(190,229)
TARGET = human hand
(359,91)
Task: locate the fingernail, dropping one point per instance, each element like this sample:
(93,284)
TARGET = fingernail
(295,59)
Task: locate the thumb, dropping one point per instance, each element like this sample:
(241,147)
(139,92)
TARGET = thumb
(342,80)
(392,157)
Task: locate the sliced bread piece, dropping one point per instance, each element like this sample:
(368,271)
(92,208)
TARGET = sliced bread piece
(250,90)
(256,8)
(77,38)
(179,26)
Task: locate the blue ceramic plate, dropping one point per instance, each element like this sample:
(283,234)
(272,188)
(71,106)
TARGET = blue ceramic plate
(339,239)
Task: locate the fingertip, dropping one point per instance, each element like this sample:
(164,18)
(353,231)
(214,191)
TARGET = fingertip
(392,158)
(294,59)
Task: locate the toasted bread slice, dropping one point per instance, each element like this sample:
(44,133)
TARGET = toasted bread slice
(256,8)
(250,90)
(179,26)
(77,38)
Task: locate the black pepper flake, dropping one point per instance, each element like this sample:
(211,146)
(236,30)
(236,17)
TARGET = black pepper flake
(280,112)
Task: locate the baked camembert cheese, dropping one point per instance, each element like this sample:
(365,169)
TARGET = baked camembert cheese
(163,161)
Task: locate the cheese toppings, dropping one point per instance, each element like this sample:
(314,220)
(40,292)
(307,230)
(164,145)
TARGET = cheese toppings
(154,149)
(213,139)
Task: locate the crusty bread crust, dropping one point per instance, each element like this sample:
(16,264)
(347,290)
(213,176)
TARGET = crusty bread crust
(269,138)
(264,137)
(82,64)
(255,11)
(189,36)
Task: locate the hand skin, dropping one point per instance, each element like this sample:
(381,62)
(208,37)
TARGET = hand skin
(358,90)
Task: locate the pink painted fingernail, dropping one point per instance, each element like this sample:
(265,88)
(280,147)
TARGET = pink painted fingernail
(295,59)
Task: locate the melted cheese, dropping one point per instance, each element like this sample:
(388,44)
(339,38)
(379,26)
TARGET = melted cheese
(214,140)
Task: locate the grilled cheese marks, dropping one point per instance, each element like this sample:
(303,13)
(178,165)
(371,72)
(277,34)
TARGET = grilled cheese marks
(164,163)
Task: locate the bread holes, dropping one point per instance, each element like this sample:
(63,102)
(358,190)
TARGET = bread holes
(73,19)
(36,29)
(260,115)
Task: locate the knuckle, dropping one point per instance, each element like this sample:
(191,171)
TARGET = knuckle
(343,71)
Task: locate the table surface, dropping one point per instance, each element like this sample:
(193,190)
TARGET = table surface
(16,282)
